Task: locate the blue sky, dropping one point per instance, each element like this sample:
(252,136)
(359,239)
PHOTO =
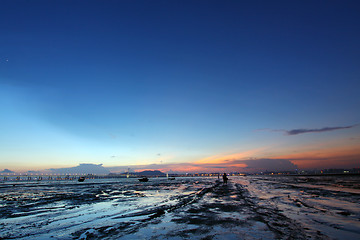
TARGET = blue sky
(148,82)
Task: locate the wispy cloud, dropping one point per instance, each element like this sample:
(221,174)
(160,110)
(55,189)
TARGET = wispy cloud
(307,130)
(316,130)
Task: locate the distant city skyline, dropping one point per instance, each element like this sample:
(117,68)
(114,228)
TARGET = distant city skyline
(182,85)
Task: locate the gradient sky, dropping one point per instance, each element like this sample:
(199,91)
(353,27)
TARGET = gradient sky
(200,85)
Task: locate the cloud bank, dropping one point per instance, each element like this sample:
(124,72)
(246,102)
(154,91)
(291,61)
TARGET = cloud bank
(84,168)
(247,165)
(269,165)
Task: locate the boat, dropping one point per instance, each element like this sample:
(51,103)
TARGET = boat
(169,178)
(144,179)
(81,179)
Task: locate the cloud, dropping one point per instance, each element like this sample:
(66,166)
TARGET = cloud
(223,158)
(83,168)
(306,130)
(326,157)
(269,164)
(325,129)
(230,165)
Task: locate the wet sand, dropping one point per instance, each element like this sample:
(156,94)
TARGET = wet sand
(186,208)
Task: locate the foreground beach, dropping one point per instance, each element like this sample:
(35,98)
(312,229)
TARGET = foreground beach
(251,207)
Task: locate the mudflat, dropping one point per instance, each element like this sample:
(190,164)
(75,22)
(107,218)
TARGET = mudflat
(251,207)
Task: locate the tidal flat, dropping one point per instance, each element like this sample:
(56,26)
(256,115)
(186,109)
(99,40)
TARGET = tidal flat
(247,207)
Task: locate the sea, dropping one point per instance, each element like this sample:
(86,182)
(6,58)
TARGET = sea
(247,207)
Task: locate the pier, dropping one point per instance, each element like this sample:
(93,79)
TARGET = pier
(46,177)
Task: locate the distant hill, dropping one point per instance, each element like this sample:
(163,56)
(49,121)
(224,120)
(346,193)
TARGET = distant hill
(7,171)
(150,173)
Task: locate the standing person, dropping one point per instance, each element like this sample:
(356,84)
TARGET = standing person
(225,178)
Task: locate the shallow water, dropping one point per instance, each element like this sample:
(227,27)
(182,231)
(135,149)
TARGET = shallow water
(321,204)
(252,207)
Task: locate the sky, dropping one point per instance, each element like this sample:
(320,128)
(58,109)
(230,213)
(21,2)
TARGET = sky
(180,85)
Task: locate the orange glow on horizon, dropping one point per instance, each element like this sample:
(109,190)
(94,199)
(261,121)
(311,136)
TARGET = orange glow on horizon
(223,159)
(334,157)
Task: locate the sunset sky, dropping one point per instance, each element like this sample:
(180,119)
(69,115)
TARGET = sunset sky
(180,85)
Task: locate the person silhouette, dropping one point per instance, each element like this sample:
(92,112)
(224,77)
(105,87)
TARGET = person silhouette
(225,178)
